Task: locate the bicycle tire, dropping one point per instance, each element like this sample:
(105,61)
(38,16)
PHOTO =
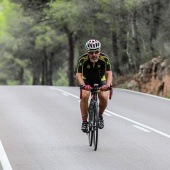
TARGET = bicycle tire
(95,126)
(90,130)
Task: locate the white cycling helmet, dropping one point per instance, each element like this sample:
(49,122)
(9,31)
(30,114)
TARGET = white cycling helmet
(93,45)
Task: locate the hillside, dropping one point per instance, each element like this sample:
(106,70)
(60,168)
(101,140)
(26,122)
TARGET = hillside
(153,78)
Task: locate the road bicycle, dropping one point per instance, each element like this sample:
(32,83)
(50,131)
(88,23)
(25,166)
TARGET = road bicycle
(93,114)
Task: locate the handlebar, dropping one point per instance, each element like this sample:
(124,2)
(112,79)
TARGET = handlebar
(98,89)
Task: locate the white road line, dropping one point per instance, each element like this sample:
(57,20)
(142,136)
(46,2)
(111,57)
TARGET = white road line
(138,127)
(146,94)
(107,114)
(140,124)
(122,117)
(4,159)
(53,88)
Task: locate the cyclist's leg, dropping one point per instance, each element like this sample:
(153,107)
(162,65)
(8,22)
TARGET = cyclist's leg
(84,108)
(103,99)
(84,104)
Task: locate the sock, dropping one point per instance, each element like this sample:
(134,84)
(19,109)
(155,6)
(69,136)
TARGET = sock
(84,119)
(101,115)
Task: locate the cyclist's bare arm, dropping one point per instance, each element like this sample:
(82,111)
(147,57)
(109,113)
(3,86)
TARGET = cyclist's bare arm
(79,78)
(99,89)
(108,78)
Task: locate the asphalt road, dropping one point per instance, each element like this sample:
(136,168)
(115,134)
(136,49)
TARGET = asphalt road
(40,130)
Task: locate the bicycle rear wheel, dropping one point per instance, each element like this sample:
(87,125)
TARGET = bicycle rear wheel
(95,126)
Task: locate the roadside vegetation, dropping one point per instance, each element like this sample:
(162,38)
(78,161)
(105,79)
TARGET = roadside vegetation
(40,41)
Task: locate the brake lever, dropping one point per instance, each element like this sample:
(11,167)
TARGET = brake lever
(111,92)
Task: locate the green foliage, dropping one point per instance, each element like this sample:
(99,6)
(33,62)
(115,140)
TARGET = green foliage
(12,29)
(60,78)
(65,13)
(3,10)
(45,36)
(34,37)
(2,25)
(133,4)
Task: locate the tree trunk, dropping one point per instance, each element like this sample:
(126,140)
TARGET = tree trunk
(123,41)
(44,68)
(115,53)
(135,39)
(21,76)
(47,69)
(36,71)
(71,59)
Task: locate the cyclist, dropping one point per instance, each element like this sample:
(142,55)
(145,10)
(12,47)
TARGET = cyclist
(93,68)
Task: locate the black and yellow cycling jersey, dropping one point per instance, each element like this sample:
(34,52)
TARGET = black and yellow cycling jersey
(93,74)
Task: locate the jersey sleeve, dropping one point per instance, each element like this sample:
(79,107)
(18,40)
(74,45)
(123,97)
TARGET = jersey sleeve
(79,66)
(108,64)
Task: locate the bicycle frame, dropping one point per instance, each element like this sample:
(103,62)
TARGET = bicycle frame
(96,90)
(93,115)
(94,101)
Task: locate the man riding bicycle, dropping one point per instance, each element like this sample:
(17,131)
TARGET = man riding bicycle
(93,68)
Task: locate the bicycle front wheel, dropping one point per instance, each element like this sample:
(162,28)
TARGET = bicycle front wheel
(90,130)
(95,126)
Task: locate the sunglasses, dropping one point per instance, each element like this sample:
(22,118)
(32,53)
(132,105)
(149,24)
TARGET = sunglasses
(92,52)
